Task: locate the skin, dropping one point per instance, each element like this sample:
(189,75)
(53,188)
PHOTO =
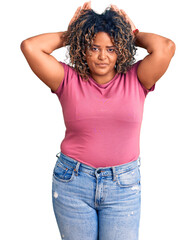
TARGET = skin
(37,51)
(160,49)
(102,52)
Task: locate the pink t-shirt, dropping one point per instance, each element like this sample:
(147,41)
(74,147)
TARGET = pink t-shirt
(102,121)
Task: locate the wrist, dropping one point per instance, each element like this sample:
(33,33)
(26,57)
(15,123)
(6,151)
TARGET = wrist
(135,32)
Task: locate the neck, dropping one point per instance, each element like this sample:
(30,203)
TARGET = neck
(102,79)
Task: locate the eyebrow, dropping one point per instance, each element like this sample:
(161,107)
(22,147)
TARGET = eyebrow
(106,46)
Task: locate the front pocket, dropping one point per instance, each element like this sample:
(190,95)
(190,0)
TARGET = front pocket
(62,173)
(129,178)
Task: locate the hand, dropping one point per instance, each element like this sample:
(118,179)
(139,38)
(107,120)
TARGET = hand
(126,17)
(87,5)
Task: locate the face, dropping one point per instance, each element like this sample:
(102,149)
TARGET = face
(102,57)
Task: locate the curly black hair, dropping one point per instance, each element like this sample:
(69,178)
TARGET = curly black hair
(81,33)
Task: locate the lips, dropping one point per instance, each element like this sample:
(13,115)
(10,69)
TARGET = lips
(102,64)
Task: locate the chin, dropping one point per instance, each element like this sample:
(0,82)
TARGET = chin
(103,71)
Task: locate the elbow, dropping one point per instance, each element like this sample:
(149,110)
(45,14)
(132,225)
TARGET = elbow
(166,49)
(22,46)
(25,46)
(170,47)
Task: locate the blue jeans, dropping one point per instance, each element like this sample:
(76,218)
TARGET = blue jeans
(96,203)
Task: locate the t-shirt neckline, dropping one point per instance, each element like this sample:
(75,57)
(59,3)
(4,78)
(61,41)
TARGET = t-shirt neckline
(104,84)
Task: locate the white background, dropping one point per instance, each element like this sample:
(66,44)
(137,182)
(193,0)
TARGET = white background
(32,126)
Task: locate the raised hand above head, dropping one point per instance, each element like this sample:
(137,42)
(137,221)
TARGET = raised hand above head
(126,17)
(86,6)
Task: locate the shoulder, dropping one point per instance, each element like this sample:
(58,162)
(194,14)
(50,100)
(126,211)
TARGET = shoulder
(67,67)
(132,74)
(69,74)
(132,70)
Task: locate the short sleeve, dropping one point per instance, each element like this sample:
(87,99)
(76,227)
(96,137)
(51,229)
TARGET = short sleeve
(63,83)
(146,91)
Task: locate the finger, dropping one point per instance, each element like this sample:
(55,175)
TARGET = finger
(124,14)
(127,18)
(89,5)
(77,13)
(112,7)
(85,6)
(75,16)
(116,8)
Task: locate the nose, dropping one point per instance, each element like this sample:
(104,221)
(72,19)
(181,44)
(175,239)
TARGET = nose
(102,55)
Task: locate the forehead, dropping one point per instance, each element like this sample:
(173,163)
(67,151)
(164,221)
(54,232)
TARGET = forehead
(103,39)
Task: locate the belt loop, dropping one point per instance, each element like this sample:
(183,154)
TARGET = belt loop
(139,161)
(57,155)
(114,173)
(77,167)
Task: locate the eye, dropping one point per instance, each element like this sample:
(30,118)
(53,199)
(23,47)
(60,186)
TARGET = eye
(111,50)
(94,49)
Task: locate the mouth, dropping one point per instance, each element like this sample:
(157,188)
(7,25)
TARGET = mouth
(102,64)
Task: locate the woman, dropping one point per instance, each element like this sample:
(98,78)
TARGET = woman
(96,180)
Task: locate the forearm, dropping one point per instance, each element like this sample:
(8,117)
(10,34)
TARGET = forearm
(152,42)
(46,42)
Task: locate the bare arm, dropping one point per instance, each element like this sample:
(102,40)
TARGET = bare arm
(160,49)
(37,52)
(153,66)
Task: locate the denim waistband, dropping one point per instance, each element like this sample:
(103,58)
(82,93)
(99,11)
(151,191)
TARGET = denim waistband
(104,171)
